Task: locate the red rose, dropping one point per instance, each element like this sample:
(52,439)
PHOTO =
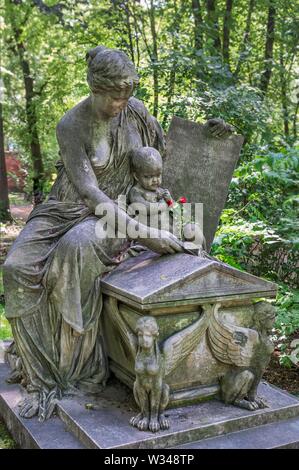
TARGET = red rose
(169,202)
(182,200)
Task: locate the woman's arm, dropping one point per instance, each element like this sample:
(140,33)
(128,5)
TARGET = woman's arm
(81,175)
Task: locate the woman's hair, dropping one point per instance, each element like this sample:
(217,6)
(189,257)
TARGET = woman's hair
(144,157)
(109,70)
(147,322)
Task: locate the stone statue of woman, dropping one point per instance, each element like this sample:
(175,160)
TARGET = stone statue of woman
(53,270)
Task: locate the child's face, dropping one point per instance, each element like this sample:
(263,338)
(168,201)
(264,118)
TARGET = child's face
(150,178)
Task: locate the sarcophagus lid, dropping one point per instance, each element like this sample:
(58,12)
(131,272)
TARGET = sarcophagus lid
(153,280)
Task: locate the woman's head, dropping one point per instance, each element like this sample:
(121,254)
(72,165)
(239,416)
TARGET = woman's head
(264,315)
(110,70)
(112,78)
(147,332)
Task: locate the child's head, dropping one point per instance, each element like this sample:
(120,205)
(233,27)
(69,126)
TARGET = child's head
(146,164)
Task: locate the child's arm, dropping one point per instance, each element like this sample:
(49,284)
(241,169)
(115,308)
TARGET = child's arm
(135,196)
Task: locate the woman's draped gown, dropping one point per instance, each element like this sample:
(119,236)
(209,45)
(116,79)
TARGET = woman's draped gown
(53,270)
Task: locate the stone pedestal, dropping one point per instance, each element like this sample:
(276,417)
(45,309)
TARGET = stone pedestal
(102,422)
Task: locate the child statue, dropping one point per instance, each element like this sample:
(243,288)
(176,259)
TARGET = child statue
(153,202)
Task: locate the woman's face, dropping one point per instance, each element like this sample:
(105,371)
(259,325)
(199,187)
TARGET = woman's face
(145,338)
(110,104)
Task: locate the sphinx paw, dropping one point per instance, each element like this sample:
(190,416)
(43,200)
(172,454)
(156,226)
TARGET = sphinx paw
(164,423)
(135,420)
(154,425)
(260,402)
(246,404)
(142,424)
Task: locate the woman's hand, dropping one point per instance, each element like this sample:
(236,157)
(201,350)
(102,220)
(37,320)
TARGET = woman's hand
(161,241)
(218,127)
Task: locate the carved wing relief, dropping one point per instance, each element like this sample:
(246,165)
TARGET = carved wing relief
(231,344)
(127,337)
(180,345)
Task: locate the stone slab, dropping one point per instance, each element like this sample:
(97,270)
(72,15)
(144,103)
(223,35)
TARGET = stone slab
(278,435)
(106,426)
(200,167)
(30,433)
(102,422)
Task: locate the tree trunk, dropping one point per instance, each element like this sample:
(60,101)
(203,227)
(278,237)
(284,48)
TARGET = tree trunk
(213,26)
(121,25)
(5,215)
(35,148)
(245,42)
(198,24)
(175,45)
(136,30)
(268,59)
(295,121)
(36,155)
(226,30)
(154,58)
(284,98)
(128,22)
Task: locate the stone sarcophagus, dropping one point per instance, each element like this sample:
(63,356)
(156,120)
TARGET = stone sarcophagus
(213,326)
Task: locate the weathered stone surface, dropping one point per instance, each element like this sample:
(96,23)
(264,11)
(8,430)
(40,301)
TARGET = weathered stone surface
(52,272)
(198,369)
(278,435)
(153,280)
(106,425)
(175,290)
(197,375)
(200,167)
(31,434)
(102,422)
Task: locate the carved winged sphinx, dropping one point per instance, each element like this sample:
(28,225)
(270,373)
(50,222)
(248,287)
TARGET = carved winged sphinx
(248,350)
(154,362)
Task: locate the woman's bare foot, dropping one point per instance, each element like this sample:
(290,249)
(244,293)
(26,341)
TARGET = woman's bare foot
(29,406)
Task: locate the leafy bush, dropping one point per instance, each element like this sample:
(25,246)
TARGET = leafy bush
(258,232)
(287,324)
(259,227)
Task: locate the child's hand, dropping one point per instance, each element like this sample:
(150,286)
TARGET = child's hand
(159,193)
(166,194)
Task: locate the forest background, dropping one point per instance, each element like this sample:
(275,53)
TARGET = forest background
(234,59)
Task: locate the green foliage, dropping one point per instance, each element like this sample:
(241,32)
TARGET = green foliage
(287,324)
(193,80)
(259,228)
(182,66)
(5,329)
(287,314)
(6,442)
(259,232)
